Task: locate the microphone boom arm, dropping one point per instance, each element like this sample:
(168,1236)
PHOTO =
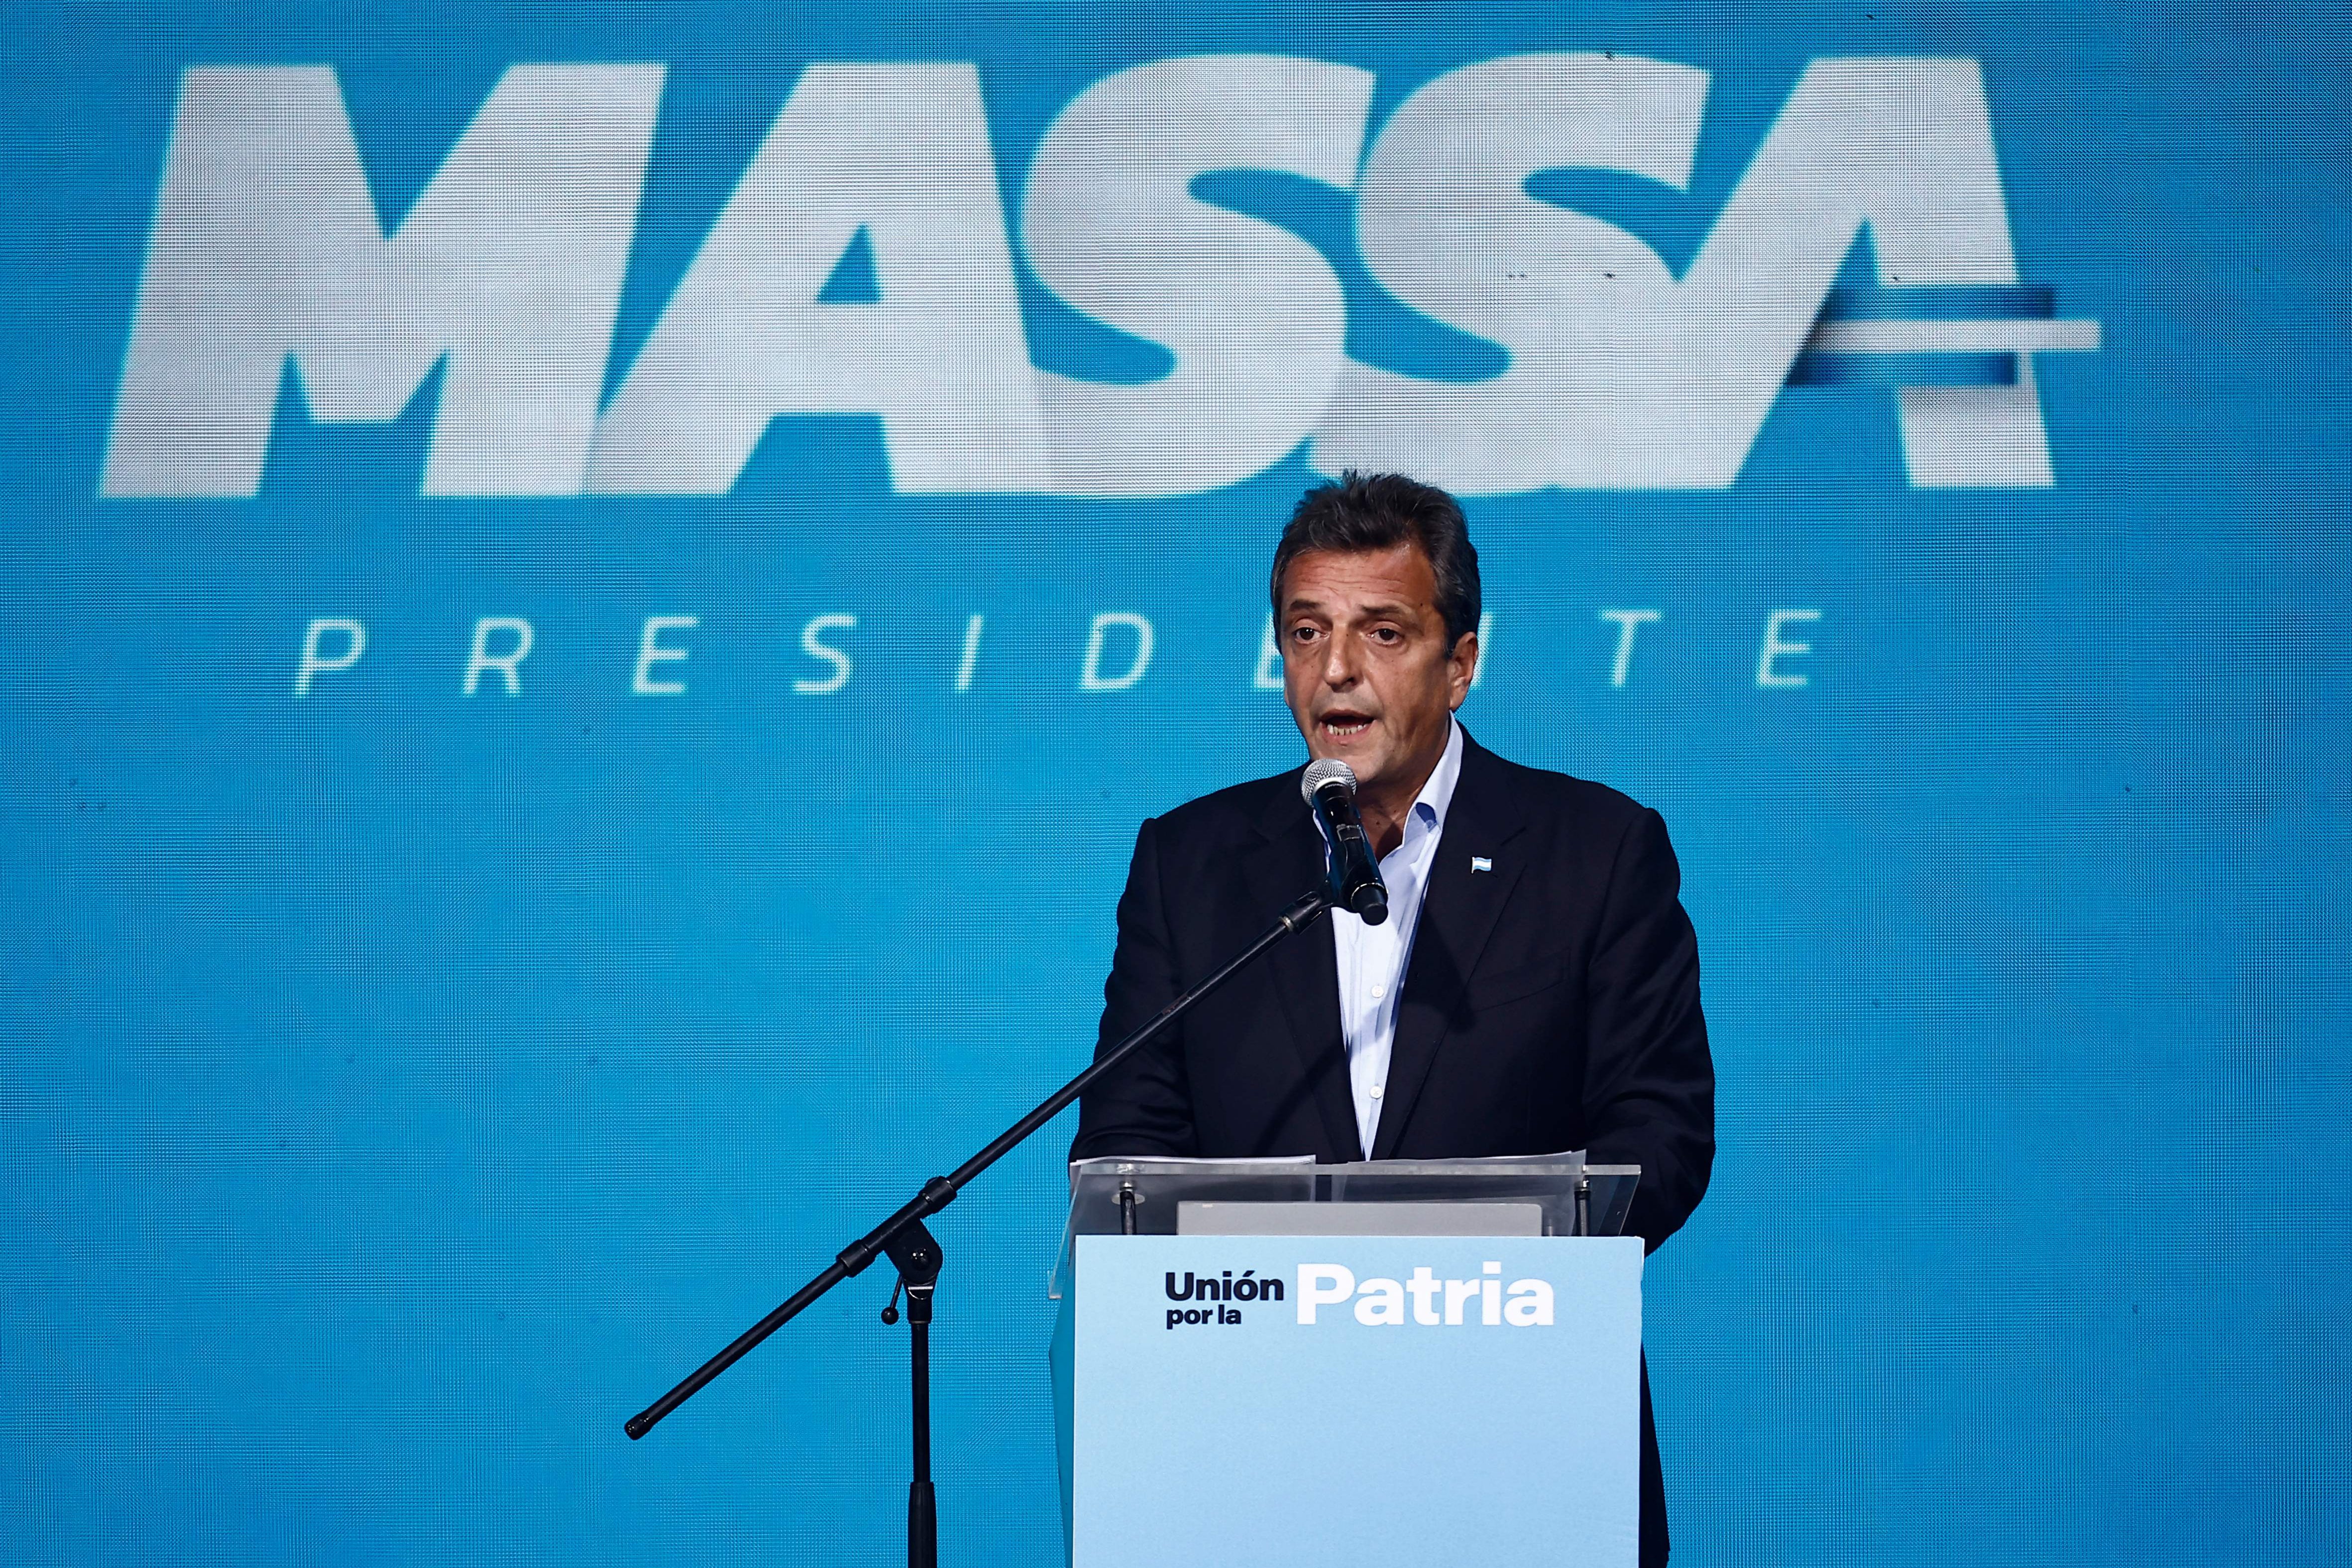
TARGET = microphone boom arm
(904,1231)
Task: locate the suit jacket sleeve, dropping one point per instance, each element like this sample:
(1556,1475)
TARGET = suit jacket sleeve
(1146,1106)
(1649,1091)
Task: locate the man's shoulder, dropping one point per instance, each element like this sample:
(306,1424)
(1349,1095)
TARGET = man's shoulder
(1545,793)
(1232,811)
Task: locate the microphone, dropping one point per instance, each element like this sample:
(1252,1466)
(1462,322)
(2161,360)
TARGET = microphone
(1329,787)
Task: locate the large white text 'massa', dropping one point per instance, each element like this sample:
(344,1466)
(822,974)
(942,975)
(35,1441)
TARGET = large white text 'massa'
(268,248)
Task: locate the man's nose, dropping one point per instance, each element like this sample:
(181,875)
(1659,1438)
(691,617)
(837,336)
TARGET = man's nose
(1341,663)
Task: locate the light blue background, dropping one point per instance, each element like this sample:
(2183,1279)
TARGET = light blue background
(397,1091)
(1271,1441)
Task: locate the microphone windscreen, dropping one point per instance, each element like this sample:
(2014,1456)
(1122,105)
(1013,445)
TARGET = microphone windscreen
(1323,771)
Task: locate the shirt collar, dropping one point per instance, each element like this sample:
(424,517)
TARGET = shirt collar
(1430,806)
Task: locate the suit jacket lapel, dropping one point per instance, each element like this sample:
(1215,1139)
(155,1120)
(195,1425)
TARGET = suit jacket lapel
(1458,911)
(1305,967)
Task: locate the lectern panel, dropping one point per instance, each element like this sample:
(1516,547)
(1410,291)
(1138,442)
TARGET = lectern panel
(1355,1401)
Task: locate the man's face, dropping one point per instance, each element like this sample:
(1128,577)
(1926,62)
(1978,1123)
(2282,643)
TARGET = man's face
(1367,668)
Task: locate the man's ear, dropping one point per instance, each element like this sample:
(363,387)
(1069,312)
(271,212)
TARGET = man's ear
(1464,665)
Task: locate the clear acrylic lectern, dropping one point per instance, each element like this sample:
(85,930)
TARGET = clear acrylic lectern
(1521,1194)
(1456,1342)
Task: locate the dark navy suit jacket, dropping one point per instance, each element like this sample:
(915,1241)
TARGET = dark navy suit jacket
(1550,1003)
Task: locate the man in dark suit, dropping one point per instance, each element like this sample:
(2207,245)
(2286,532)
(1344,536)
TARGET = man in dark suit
(1535,988)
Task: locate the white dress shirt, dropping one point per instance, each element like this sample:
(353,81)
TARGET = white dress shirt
(1372,957)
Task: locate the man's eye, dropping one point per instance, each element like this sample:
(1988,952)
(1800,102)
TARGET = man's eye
(1302,634)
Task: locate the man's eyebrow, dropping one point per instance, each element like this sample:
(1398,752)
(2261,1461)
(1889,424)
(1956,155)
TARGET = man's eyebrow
(1398,612)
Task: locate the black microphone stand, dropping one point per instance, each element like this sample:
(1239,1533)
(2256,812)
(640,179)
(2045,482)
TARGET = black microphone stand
(915,1252)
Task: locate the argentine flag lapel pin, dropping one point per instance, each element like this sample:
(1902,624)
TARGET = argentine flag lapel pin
(1480,863)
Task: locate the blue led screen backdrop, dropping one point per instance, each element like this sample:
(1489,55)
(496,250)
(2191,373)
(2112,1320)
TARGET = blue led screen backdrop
(593,598)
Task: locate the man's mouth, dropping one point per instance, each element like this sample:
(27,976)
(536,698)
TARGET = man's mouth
(1344,726)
